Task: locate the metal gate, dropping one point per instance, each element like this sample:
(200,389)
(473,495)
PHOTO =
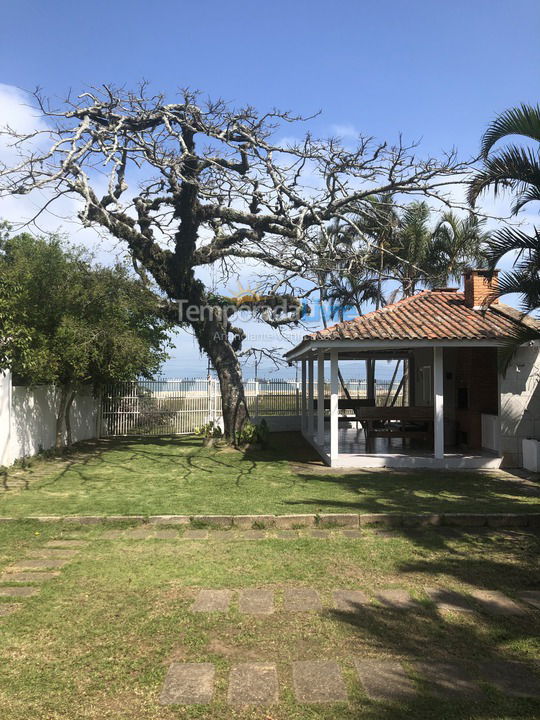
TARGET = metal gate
(158,407)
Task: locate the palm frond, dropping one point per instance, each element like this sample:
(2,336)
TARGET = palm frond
(515,167)
(527,196)
(525,285)
(523,120)
(508,239)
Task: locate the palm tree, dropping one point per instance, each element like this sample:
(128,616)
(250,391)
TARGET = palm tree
(457,243)
(516,168)
(415,239)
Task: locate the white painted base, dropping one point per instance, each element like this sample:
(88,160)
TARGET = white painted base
(531,454)
(408,461)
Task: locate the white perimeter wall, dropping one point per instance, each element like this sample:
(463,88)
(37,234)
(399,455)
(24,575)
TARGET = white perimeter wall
(28,419)
(520,404)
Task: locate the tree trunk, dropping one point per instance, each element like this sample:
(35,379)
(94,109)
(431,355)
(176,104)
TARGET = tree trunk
(213,338)
(61,416)
(69,403)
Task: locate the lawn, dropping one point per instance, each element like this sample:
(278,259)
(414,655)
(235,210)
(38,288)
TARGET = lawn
(96,642)
(178,476)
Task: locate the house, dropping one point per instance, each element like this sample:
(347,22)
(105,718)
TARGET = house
(460,410)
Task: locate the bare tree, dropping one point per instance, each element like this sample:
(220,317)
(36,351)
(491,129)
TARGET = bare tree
(192,184)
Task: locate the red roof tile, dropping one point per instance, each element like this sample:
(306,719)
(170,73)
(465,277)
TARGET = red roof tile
(429,315)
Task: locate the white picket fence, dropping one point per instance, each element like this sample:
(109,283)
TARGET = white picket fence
(177,407)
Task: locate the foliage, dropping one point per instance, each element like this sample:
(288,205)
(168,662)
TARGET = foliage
(254,433)
(210,429)
(83,323)
(516,169)
(403,246)
(70,322)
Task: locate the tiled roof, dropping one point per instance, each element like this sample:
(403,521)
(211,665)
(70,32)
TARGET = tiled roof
(429,315)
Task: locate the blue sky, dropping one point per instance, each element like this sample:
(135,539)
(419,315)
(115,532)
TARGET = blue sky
(432,70)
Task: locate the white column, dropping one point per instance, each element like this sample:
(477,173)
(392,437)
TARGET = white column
(304,400)
(438,402)
(320,398)
(310,423)
(334,405)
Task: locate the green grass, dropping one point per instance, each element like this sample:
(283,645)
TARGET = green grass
(178,476)
(96,642)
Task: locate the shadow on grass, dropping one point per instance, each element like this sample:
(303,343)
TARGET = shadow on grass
(429,636)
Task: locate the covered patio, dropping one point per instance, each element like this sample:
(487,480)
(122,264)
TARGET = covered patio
(449,409)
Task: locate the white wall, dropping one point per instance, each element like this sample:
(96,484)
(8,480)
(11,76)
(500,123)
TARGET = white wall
(520,404)
(28,419)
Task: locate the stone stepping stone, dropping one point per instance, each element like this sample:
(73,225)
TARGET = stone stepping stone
(26,577)
(320,534)
(449,680)
(61,543)
(301,600)
(8,609)
(385,680)
(352,533)
(531,597)
(222,535)
(141,534)
(448,600)
(39,564)
(253,684)
(496,603)
(349,600)
(52,553)
(318,682)
(195,535)
(113,534)
(253,535)
(512,678)
(212,601)
(396,599)
(165,535)
(256,602)
(188,684)
(287,534)
(18,591)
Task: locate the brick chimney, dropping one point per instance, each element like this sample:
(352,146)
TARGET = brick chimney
(479,287)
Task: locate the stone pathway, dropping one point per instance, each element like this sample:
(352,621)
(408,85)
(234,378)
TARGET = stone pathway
(496,603)
(301,600)
(448,680)
(350,601)
(253,684)
(396,599)
(151,532)
(385,680)
(188,684)
(40,565)
(318,682)
(448,600)
(512,678)
(322,681)
(531,597)
(256,602)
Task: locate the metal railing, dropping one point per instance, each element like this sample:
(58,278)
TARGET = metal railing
(177,407)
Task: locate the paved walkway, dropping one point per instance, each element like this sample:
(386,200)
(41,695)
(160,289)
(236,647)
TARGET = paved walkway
(323,681)
(264,601)
(38,566)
